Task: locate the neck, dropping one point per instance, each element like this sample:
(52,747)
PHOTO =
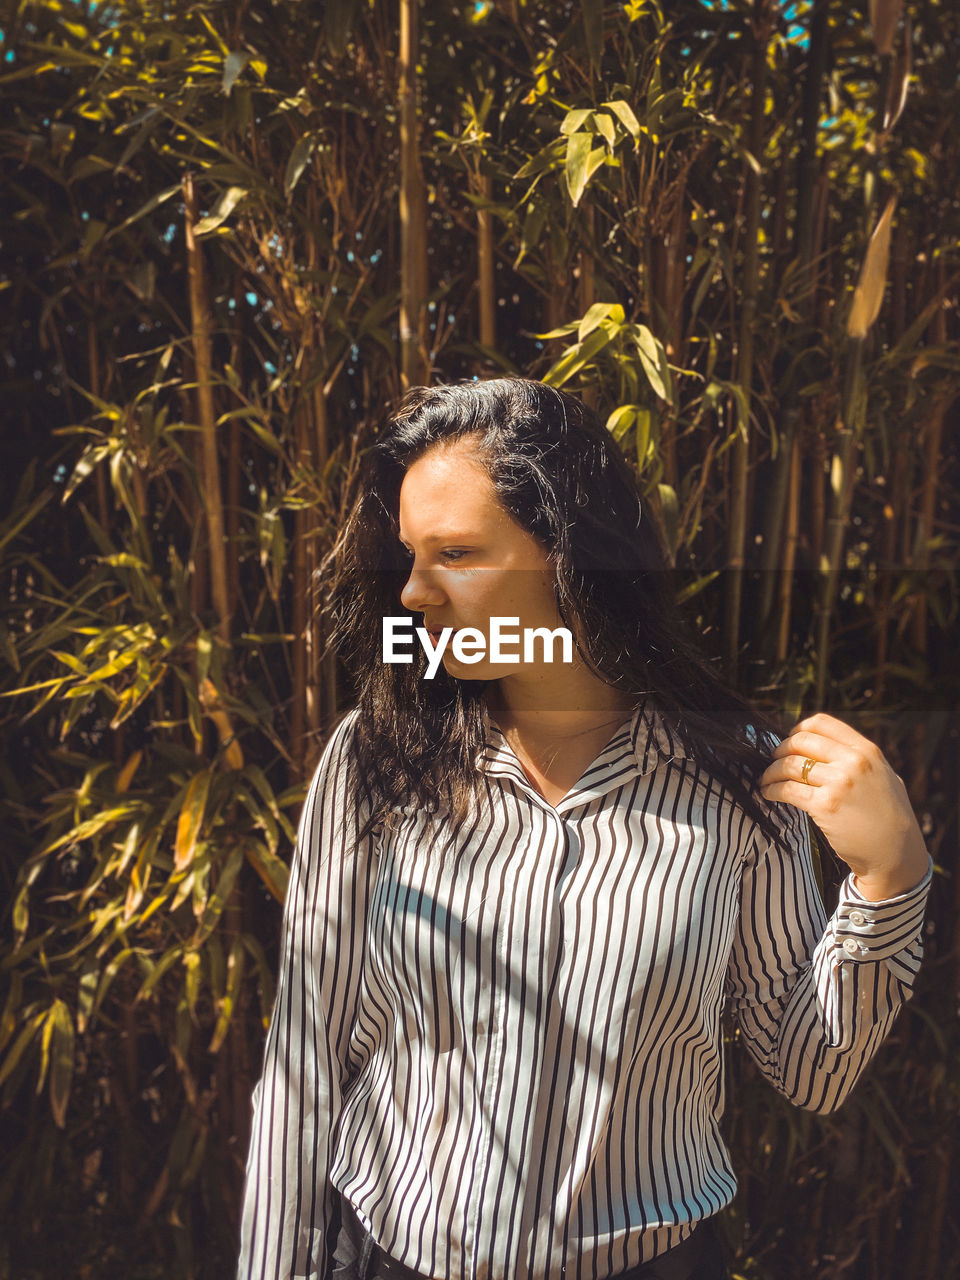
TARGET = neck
(557,705)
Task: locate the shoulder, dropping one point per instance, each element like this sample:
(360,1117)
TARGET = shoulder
(337,754)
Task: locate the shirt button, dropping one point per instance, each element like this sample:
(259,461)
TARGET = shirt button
(857,917)
(851,946)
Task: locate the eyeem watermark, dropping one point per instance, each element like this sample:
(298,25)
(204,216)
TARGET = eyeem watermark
(470,644)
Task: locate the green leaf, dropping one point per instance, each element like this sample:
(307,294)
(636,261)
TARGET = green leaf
(338,19)
(670,514)
(574,120)
(153,203)
(624,113)
(621,420)
(582,162)
(28,1031)
(298,161)
(644,427)
(218,899)
(573,360)
(225,206)
(233,65)
(595,316)
(61,1069)
(228,1002)
(650,358)
(592,12)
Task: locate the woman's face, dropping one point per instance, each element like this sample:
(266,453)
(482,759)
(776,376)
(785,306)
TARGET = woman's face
(470,560)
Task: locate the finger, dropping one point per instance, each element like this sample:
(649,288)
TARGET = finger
(805,742)
(790,792)
(830,727)
(790,769)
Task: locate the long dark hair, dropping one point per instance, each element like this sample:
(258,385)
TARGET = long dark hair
(560,475)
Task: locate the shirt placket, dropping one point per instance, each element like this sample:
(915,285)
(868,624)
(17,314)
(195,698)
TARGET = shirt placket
(534,886)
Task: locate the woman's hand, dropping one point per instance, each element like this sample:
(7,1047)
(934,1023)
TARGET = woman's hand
(857,801)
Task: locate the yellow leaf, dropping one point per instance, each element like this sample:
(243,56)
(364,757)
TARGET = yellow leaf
(270,869)
(191,818)
(868,294)
(61,1069)
(125,775)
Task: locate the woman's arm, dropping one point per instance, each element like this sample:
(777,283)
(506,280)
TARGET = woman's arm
(815,998)
(283,1232)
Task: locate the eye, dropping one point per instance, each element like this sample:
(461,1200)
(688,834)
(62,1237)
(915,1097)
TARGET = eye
(453,556)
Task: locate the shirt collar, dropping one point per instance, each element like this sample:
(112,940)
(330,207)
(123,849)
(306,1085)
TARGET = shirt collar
(635,749)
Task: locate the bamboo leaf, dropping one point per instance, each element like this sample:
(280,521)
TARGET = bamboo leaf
(573,360)
(592,13)
(218,899)
(20,519)
(233,65)
(225,206)
(884,20)
(670,513)
(274,873)
(574,120)
(621,420)
(8,1019)
(191,818)
(595,316)
(868,295)
(624,113)
(125,776)
(27,1033)
(153,203)
(582,162)
(650,359)
(298,161)
(61,1069)
(235,968)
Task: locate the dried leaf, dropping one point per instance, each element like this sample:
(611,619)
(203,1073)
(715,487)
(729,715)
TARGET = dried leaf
(884,20)
(868,295)
(191,818)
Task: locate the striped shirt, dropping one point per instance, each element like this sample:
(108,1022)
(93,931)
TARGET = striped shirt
(503,1043)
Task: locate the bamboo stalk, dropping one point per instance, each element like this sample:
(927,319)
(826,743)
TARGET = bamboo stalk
(791,536)
(737,502)
(587,281)
(807,175)
(486,291)
(412,245)
(894,489)
(234,462)
(924,532)
(203,359)
(93,361)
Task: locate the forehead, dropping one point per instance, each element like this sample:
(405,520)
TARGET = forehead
(448,482)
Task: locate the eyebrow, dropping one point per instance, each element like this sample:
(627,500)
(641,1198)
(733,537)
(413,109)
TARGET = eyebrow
(452,535)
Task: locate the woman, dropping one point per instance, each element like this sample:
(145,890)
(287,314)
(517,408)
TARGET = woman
(523,889)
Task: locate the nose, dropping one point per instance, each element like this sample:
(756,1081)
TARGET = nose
(420,591)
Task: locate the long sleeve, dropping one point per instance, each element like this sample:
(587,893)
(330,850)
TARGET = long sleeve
(815,998)
(297,1100)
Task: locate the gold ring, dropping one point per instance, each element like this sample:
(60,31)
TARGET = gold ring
(805,772)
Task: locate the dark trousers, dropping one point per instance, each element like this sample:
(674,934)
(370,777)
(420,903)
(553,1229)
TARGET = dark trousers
(357,1256)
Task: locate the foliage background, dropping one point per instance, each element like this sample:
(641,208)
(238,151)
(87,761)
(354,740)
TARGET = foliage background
(232,234)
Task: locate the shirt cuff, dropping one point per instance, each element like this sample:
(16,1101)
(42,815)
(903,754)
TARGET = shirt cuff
(867,930)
